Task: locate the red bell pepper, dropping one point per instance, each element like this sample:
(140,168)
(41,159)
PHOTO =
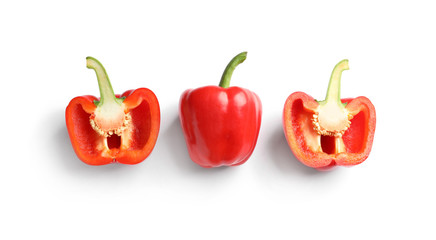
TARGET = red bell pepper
(115,128)
(323,134)
(221,123)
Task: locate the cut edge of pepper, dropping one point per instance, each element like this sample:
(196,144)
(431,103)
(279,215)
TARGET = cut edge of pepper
(307,152)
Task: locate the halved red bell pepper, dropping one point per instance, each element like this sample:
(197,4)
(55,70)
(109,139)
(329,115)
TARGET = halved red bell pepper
(221,123)
(323,134)
(115,128)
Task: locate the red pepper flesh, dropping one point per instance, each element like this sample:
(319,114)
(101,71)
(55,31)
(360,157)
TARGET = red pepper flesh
(114,128)
(329,133)
(220,123)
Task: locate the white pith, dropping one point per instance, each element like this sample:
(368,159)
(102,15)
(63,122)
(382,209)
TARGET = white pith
(331,120)
(110,119)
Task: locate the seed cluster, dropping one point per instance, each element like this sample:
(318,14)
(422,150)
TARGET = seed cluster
(334,133)
(107,133)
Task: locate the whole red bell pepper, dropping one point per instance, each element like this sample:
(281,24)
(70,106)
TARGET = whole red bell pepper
(323,134)
(221,123)
(115,128)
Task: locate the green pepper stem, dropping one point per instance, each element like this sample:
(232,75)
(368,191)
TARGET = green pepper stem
(106,92)
(227,74)
(334,89)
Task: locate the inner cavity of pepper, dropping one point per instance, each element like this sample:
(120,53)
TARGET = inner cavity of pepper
(331,144)
(114,133)
(328,144)
(113,142)
(331,123)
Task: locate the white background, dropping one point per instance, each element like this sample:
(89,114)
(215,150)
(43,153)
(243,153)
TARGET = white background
(170,46)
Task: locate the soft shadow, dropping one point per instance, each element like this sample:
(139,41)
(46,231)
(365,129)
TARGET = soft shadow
(173,139)
(283,157)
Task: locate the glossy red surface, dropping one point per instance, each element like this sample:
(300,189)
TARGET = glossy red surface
(221,125)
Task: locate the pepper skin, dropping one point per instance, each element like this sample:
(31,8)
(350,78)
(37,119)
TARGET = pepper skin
(221,123)
(329,133)
(115,128)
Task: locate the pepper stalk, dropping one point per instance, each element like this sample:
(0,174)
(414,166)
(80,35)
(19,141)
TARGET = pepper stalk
(331,118)
(110,116)
(228,72)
